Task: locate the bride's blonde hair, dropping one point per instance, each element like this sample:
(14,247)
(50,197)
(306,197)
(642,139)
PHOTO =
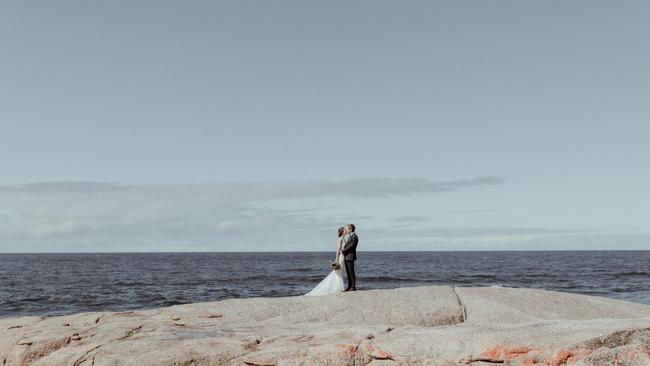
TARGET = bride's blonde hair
(341,230)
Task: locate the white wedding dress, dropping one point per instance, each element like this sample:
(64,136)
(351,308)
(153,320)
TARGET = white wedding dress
(333,283)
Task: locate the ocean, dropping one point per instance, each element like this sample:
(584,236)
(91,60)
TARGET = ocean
(57,284)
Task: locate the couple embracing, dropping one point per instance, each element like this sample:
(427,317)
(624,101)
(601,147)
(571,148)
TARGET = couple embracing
(346,254)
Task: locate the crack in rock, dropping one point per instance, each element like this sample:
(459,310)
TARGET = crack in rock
(84,358)
(260,363)
(190,362)
(36,353)
(485,359)
(131,332)
(368,353)
(460,303)
(500,354)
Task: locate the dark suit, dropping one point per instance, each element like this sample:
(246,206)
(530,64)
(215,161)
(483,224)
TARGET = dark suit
(350,254)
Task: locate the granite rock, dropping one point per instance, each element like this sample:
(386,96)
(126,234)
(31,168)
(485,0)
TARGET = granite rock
(431,325)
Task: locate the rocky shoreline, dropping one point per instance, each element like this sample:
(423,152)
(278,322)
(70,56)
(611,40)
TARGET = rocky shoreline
(432,325)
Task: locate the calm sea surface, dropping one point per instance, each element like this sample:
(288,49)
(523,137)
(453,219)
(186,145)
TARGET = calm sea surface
(54,284)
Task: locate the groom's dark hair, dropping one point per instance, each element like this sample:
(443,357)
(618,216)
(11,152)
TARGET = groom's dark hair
(351,227)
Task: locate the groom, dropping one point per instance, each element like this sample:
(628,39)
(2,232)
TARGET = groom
(350,255)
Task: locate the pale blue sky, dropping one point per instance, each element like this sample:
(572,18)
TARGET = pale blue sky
(264,125)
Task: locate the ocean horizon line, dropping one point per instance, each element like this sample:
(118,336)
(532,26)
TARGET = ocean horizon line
(328,251)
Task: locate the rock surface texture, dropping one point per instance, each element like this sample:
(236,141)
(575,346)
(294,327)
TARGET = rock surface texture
(433,325)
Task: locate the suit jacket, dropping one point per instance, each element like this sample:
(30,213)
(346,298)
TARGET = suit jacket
(350,249)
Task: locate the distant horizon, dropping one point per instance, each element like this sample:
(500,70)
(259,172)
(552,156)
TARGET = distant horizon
(366,251)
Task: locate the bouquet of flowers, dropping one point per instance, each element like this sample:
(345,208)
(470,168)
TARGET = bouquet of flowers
(335,265)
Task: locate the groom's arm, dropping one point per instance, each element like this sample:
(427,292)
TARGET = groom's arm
(352,242)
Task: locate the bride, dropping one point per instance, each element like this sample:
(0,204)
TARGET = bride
(334,281)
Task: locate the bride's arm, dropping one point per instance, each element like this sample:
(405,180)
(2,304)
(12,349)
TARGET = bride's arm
(338,250)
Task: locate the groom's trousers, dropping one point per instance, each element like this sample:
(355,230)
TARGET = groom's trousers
(349,270)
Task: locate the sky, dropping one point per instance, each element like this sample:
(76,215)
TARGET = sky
(264,126)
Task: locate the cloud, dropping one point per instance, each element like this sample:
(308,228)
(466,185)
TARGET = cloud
(409,219)
(485,238)
(486,210)
(366,187)
(373,187)
(97,216)
(473,232)
(545,239)
(259,216)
